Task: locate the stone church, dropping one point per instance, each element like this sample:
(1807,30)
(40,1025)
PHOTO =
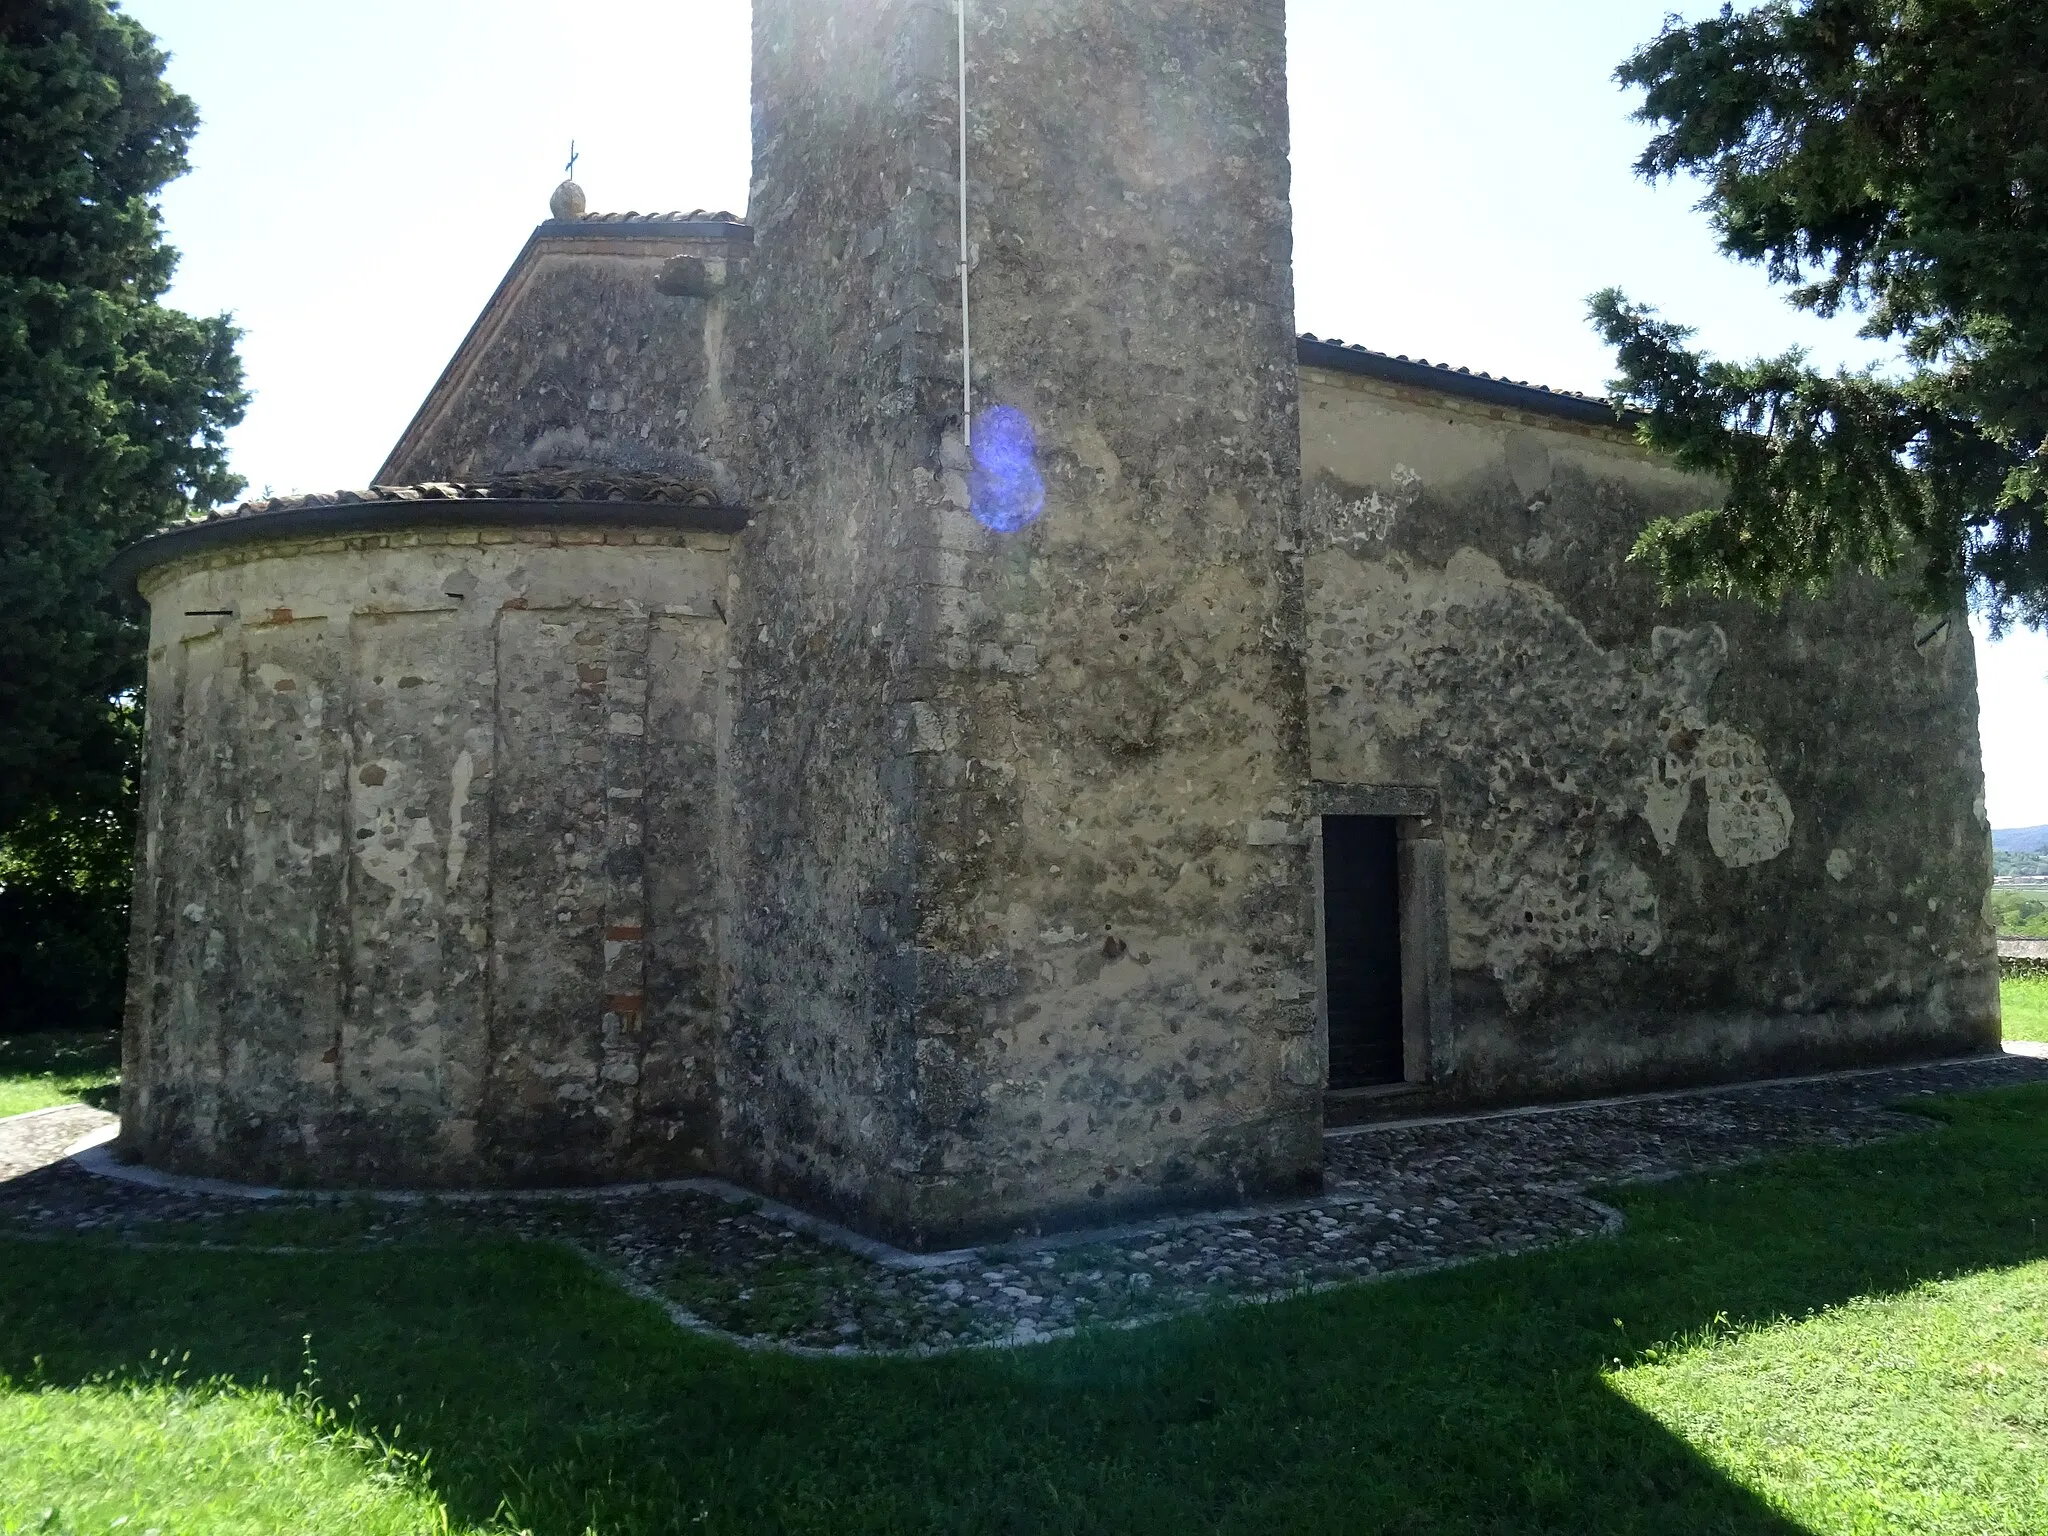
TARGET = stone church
(719,742)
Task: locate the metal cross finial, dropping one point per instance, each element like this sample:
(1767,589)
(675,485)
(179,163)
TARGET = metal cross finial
(573,157)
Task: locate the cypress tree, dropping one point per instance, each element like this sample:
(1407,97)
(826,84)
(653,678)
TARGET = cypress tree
(113,409)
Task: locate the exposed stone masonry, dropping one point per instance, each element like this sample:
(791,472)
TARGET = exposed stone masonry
(1004,940)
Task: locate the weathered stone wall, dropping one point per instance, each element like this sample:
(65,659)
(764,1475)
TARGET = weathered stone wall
(968,887)
(1683,843)
(427,890)
(587,358)
(1022,926)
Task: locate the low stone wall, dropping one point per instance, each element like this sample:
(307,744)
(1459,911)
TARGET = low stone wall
(2019,958)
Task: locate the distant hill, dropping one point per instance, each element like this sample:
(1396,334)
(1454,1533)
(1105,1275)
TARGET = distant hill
(2020,840)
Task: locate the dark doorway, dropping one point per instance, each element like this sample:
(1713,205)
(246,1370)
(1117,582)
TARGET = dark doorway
(1362,949)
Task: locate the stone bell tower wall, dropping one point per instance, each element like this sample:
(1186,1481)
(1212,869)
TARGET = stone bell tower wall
(1022,918)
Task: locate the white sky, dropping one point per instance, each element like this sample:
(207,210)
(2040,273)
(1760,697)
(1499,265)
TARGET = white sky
(366,172)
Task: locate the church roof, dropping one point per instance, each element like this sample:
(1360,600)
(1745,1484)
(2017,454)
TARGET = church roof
(539,498)
(1421,373)
(602,237)
(694,216)
(696,224)
(547,485)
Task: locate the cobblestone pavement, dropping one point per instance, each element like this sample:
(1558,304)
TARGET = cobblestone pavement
(1399,1197)
(41,1136)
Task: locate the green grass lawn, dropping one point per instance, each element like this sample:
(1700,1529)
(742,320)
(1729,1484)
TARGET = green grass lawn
(59,1067)
(132,1455)
(1935,1405)
(2025,1005)
(1831,1342)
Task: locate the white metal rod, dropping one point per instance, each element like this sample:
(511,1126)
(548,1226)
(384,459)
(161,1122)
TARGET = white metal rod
(966,324)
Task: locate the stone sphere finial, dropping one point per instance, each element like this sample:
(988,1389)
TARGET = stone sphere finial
(567,203)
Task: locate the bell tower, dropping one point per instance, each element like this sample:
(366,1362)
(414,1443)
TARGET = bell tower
(1022,922)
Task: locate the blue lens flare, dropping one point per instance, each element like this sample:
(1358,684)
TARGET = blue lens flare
(1007,488)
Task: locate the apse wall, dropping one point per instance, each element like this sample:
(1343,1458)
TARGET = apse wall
(427,892)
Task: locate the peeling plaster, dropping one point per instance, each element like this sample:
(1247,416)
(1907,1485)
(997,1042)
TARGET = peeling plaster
(458,825)
(1463,673)
(420,913)
(1330,515)
(1749,820)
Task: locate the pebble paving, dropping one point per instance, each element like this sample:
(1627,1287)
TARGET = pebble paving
(1398,1198)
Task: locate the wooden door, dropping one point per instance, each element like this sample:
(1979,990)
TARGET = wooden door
(1362,949)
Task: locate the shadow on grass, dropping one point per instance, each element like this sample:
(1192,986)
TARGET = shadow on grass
(1467,1401)
(83,1064)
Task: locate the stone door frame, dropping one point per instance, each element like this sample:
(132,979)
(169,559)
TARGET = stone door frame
(1425,921)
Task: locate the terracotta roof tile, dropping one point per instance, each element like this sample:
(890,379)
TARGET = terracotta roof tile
(535,498)
(529,485)
(694,216)
(1334,351)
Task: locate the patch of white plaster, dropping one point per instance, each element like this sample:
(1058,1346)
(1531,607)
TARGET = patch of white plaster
(458,803)
(1287,987)
(1667,796)
(932,729)
(1749,820)
(1092,449)
(1301,1063)
(1365,519)
(390,854)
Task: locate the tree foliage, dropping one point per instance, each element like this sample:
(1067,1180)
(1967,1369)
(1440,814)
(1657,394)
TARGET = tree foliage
(112,414)
(1888,158)
(63,918)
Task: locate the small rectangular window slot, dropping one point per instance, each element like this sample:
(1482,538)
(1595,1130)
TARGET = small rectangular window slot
(209,613)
